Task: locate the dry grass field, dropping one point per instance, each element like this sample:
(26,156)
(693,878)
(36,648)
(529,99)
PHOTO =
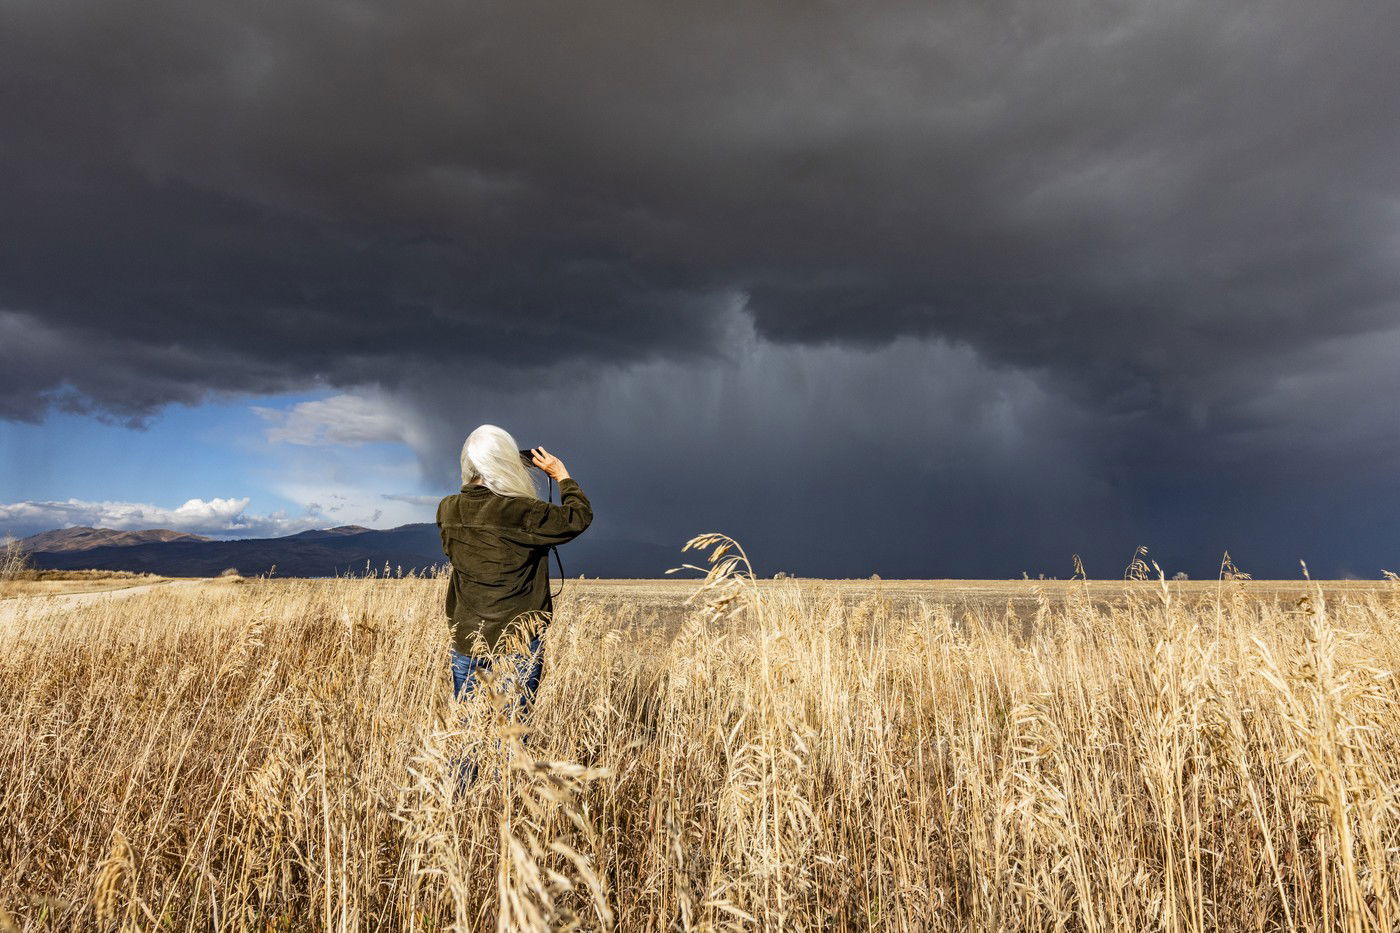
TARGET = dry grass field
(787,755)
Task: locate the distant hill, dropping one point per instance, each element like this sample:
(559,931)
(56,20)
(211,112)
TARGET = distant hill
(323,553)
(85,539)
(336,532)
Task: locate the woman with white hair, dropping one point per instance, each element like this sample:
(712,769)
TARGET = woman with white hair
(497,532)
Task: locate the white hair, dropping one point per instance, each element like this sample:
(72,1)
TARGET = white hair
(491,455)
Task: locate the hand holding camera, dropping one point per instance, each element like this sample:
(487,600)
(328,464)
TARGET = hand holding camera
(546,461)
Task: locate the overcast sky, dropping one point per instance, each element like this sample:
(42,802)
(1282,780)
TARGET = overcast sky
(928,289)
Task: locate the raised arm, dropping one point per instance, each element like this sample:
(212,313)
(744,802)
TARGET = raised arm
(547,524)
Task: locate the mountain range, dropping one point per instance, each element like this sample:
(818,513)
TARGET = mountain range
(83,538)
(319,553)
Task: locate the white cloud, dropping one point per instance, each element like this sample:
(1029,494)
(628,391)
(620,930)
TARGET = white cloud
(413,500)
(347,420)
(317,458)
(217,517)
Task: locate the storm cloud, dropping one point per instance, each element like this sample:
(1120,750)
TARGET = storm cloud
(1030,278)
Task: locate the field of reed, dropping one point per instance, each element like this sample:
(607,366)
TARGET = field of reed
(777,755)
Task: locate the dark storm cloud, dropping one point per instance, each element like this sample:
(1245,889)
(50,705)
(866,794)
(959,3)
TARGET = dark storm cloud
(1176,221)
(780,446)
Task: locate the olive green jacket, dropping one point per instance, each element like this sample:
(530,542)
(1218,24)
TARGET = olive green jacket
(499,549)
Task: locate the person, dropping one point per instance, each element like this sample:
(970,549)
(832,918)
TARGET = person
(497,533)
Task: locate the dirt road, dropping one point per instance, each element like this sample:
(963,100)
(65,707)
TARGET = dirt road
(32,606)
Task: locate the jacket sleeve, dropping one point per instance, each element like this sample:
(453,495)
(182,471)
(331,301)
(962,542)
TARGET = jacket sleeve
(442,532)
(545,524)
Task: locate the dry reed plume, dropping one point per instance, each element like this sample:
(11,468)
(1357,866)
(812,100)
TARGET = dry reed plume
(280,755)
(14,563)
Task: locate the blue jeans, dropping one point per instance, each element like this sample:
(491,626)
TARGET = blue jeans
(528,670)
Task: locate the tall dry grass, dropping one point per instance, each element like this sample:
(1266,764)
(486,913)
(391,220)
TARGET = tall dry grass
(280,756)
(14,562)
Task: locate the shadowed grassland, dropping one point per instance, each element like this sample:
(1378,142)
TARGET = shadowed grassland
(799,755)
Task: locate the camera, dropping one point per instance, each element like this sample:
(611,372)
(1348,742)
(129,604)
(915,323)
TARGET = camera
(528,457)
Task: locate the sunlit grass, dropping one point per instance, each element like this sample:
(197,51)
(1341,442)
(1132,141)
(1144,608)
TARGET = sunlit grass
(279,755)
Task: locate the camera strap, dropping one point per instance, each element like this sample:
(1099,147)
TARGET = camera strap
(554,547)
